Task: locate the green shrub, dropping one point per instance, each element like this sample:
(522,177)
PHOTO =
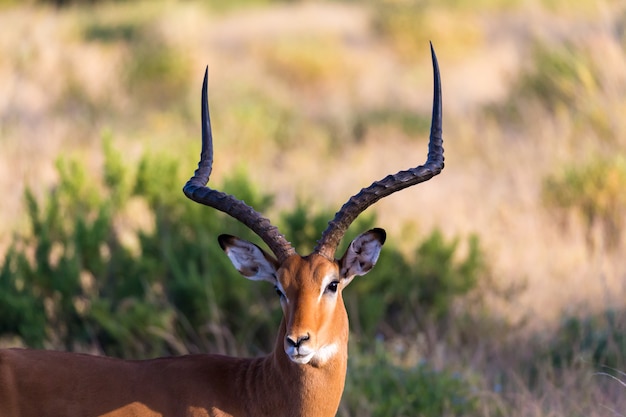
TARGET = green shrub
(378,387)
(22,309)
(597,339)
(158,73)
(402,25)
(76,282)
(561,79)
(561,76)
(153,70)
(80,273)
(408,26)
(595,192)
(109,32)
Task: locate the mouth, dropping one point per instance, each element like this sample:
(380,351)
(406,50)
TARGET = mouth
(301,359)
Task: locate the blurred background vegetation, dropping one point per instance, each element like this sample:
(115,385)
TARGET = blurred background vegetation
(501,289)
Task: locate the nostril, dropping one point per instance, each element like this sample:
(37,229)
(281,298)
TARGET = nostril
(299,341)
(291,342)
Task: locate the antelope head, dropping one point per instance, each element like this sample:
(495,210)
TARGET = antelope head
(315,323)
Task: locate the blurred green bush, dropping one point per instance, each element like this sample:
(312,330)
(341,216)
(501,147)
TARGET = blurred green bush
(562,79)
(76,281)
(378,387)
(598,339)
(595,191)
(406,26)
(562,76)
(87,277)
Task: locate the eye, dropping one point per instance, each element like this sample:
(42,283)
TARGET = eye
(278,291)
(332,287)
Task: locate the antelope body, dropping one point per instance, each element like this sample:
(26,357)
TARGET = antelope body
(303,376)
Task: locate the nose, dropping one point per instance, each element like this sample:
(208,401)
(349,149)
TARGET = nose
(296,341)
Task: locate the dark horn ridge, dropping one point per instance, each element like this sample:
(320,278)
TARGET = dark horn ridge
(327,245)
(196,190)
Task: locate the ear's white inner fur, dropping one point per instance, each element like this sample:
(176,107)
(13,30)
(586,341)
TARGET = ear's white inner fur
(250,261)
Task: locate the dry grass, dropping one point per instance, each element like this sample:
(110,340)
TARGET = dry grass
(319,63)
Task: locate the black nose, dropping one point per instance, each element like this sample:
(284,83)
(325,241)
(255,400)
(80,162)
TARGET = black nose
(297,343)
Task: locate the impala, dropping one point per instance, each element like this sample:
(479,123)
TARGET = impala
(303,376)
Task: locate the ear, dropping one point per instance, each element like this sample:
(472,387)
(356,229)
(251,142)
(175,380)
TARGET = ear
(362,254)
(250,260)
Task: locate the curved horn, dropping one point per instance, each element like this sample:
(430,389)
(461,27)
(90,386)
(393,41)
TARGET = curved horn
(327,245)
(197,191)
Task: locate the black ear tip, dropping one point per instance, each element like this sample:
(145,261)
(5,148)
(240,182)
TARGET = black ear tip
(225,241)
(381,234)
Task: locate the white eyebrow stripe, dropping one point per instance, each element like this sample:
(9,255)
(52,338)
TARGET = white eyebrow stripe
(327,280)
(280,287)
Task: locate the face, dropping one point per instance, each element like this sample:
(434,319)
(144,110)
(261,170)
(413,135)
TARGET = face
(310,288)
(315,317)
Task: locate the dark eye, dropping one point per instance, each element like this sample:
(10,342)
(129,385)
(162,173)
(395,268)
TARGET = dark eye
(332,287)
(278,291)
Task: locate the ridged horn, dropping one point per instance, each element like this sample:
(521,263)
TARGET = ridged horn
(197,191)
(327,245)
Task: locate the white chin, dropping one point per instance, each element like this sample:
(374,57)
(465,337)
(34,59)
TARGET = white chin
(302,360)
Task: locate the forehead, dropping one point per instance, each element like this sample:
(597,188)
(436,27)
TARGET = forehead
(307,270)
